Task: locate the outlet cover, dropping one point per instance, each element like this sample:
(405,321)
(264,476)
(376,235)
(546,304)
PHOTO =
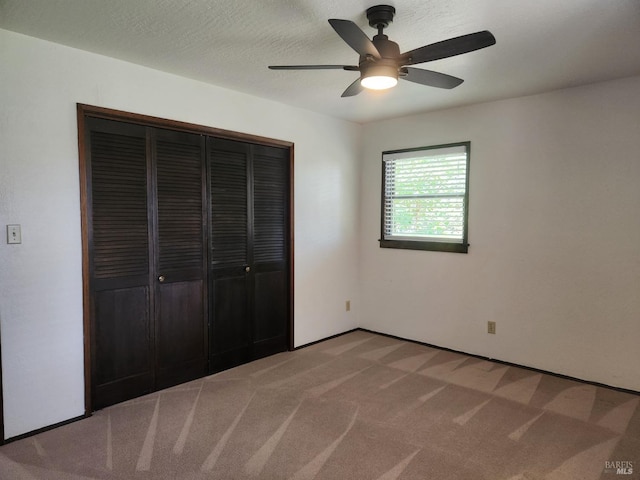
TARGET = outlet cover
(14,235)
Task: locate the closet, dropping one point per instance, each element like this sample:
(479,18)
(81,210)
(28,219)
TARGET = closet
(187,253)
(249,231)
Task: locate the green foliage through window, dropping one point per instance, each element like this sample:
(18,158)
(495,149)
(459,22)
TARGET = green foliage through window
(425,197)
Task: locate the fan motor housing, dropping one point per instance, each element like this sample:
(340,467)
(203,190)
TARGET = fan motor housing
(386,69)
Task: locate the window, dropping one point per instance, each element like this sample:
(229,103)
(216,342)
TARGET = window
(425,198)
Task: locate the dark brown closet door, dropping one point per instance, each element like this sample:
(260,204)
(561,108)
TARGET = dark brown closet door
(230,268)
(180,327)
(147,250)
(249,252)
(270,250)
(120,261)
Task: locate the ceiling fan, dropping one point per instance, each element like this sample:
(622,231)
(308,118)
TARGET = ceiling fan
(381,63)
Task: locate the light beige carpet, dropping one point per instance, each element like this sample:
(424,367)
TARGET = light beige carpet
(359,406)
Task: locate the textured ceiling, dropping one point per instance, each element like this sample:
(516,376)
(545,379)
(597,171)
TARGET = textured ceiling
(541,45)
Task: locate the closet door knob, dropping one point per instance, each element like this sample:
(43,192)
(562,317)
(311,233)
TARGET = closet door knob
(247,269)
(161,278)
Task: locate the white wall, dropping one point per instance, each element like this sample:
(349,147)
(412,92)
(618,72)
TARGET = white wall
(40,280)
(554,229)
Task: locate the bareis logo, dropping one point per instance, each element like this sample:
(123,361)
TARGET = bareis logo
(619,468)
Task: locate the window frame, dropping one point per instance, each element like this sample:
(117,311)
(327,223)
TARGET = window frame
(421,243)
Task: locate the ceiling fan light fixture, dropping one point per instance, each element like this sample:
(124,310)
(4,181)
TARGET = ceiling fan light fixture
(381,61)
(379,77)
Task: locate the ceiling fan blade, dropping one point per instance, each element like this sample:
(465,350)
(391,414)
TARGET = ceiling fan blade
(431,79)
(354,89)
(449,48)
(314,67)
(354,37)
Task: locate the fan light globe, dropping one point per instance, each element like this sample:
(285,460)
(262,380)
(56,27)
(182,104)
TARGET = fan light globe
(378,82)
(379,77)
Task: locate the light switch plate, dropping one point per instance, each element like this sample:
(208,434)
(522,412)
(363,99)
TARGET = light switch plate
(14,234)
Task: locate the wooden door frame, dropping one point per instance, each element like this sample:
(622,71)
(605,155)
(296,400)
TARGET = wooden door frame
(89,111)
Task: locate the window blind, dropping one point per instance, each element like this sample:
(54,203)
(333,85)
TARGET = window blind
(424,194)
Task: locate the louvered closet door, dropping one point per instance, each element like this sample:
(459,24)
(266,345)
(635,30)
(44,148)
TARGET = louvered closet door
(270,250)
(120,261)
(230,269)
(147,249)
(181,330)
(249,251)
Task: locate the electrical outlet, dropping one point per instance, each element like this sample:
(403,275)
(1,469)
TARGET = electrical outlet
(348,305)
(491,327)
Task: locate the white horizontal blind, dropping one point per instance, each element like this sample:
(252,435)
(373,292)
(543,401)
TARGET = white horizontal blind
(424,194)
